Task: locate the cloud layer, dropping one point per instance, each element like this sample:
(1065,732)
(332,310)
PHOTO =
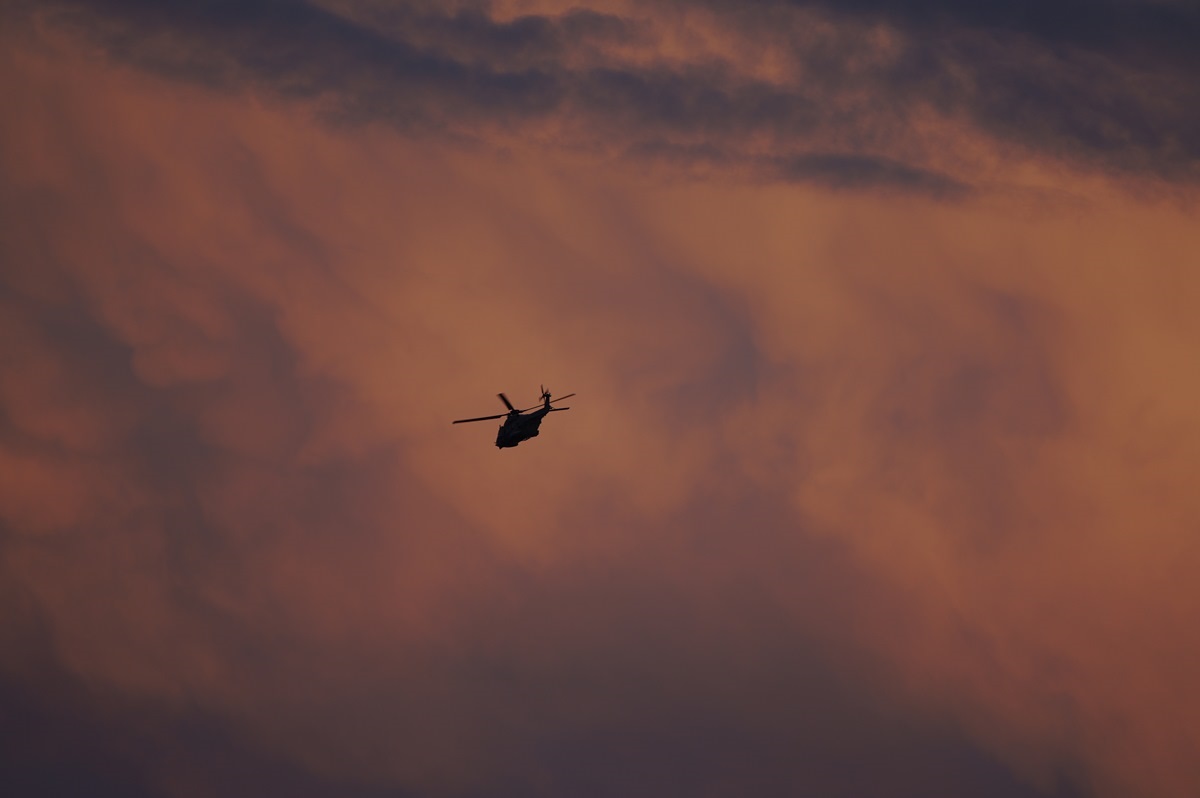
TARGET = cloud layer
(874,93)
(879,477)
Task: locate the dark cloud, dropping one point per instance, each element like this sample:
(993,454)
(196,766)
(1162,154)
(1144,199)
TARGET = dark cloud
(1106,87)
(1075,106)
(1139,30)
(844,170)
(855,171)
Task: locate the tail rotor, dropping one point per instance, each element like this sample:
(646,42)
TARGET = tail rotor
(547,400)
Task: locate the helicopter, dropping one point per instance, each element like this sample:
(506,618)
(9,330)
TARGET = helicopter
(520,425)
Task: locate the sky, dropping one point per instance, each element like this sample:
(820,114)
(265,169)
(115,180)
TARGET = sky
(880,476)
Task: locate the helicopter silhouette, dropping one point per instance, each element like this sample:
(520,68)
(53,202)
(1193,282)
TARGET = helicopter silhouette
(520,425)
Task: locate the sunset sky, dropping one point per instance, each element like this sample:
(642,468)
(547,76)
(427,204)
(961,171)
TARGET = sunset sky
(881,479)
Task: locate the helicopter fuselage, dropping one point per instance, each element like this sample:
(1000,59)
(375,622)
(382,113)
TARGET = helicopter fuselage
(519,427)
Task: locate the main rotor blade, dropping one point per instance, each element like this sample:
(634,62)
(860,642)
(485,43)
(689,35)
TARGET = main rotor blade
(560,398)
(556,409)
(481,418)
(507,403)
